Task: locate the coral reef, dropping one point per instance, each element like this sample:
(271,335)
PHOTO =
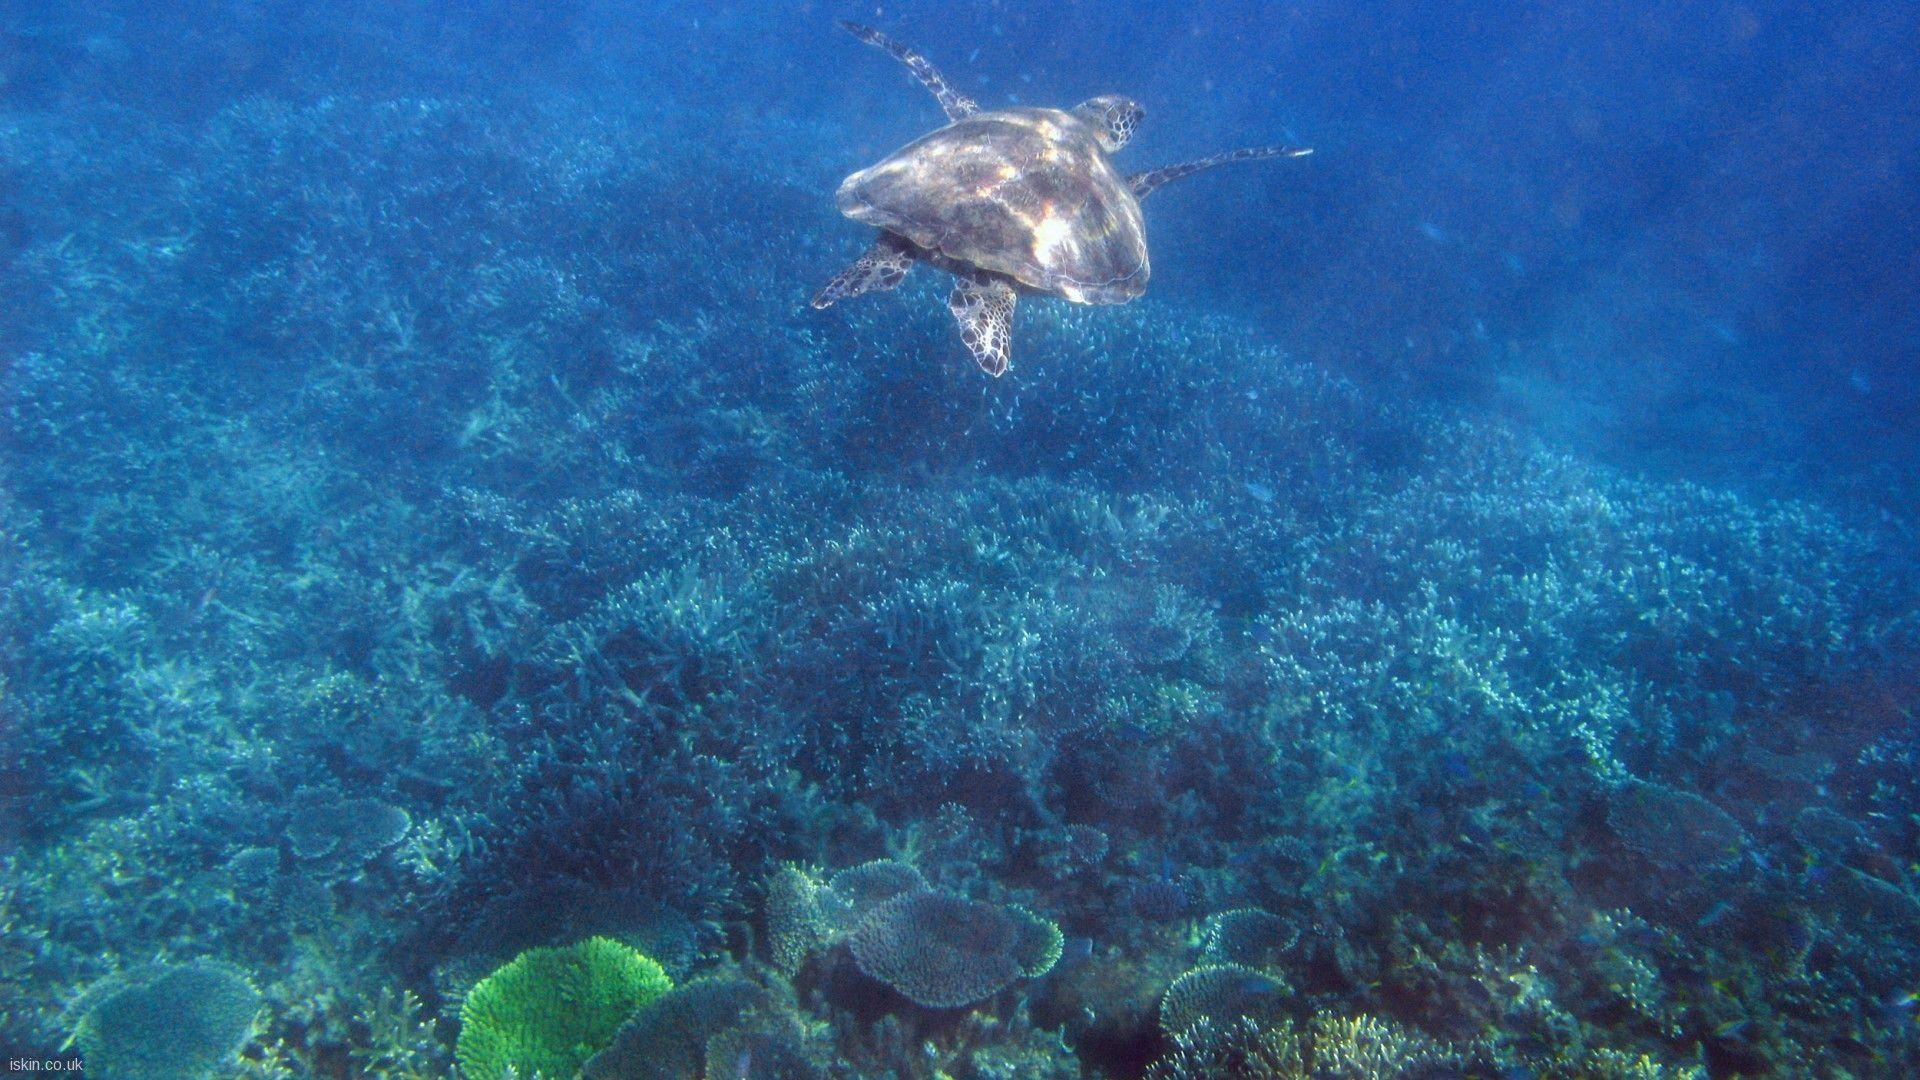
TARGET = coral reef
(431,534)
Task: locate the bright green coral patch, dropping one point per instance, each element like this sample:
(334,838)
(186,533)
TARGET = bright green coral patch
(547,1011)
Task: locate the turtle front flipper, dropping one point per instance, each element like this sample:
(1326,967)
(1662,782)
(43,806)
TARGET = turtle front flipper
(883,267)
(1143,184)
(983,306)
(957,105)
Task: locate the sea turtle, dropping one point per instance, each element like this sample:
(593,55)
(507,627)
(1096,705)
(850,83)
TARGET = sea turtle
(1008,201)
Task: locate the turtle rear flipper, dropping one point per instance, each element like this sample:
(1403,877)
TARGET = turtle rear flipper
(957,105)
(1143,184)
(983,306)
(883,267)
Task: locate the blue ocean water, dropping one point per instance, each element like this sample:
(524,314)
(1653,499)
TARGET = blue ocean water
(463,612)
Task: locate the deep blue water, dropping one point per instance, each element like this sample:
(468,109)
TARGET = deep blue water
(1682,236)
(1463,617)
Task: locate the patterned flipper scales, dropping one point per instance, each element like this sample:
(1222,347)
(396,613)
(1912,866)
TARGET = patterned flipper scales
(983,307)
(957,105)
(1143,184)
(883,267)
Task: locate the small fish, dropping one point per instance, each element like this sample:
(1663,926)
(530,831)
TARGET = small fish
(1714,914)
(1433,232)
(1260,492)
(1901,1008)
(1253,984)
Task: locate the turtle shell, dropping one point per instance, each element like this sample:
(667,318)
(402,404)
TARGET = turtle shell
(1027,193)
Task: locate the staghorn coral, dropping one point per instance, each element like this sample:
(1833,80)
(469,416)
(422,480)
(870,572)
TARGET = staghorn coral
(166,1022)
(1326,1048)
(1238,1047)
(1369,1048)
(548,1010)
(402,1040)
(566,814)
(1601,1063)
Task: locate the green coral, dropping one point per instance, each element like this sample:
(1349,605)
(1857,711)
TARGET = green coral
(547,1011)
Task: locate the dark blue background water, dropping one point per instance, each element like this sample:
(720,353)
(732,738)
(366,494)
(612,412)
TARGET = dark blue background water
(1681,237)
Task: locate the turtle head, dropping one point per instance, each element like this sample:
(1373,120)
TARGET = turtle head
(1113,116)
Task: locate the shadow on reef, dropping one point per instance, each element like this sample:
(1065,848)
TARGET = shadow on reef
(436,532)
